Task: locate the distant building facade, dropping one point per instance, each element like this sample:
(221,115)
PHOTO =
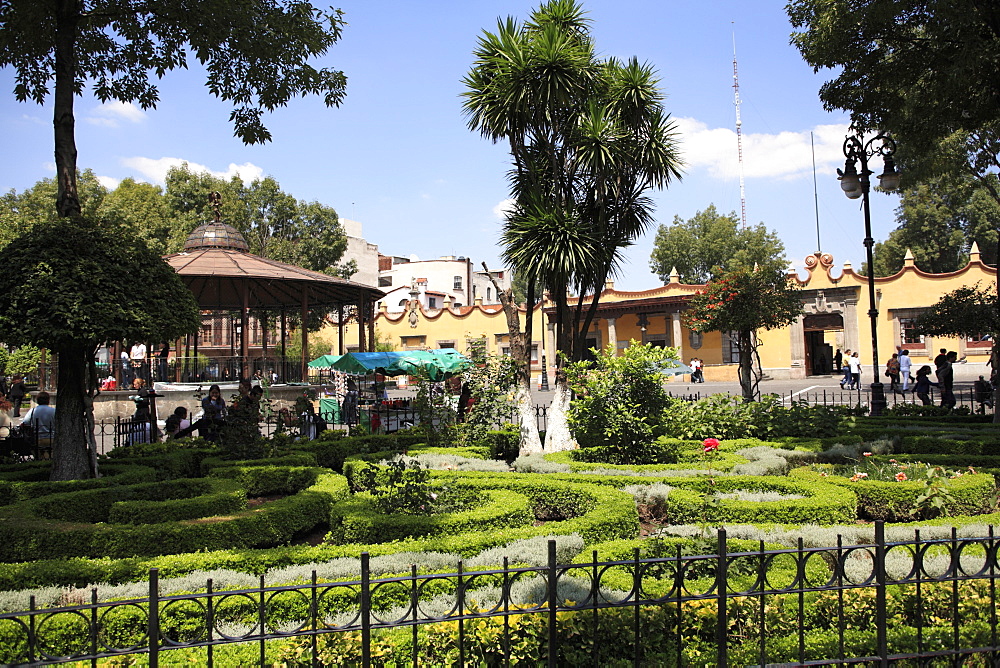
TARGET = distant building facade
(364,253)
(432,282)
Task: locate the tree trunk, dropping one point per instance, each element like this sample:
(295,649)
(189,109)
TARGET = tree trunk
(746,366)
(557,433)
(70,455)
(520,349)
(67,18)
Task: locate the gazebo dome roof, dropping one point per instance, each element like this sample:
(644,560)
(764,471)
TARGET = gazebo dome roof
(216,235)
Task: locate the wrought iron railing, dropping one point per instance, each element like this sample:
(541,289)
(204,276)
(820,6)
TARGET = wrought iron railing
(916,597)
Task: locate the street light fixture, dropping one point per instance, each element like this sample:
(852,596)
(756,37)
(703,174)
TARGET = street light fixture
(856,184)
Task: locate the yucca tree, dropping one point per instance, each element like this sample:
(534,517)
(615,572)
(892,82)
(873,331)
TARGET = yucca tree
(589,138)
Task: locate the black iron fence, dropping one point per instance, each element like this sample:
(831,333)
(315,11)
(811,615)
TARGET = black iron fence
(932,602)
(964,397)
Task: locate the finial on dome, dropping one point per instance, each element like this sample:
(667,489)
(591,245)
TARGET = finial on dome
(974,252)
(908,259)
(674,276)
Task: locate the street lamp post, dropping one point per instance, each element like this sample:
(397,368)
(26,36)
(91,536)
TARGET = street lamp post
(856,184)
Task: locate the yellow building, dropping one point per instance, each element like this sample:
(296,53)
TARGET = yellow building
(835,316)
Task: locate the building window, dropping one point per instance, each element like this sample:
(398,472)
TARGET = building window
(385,281)
(909,332)
(476,348)
(730,348)
(402,302)
(432,302)
(458,283)
(412,341)
(489,294)
(446,344)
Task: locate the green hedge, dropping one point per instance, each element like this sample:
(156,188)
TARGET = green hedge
(356,520)
(26,539)
(269,480)
(94,505)
(227,498)
(894,501)
(112,475)
(331,451)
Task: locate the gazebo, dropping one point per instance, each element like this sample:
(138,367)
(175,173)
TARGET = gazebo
(216,264)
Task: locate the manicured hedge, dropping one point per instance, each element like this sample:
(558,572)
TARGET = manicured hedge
(221,502)
(25,539)
(112,476)
(356,520)
(894,501)
(331,450)
(268,480)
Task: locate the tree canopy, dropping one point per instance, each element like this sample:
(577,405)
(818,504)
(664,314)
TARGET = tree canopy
(71,285)
(588,139)
(920,69)
(275,224)
(743,301)
(970,310)
(708,244)
(255,55)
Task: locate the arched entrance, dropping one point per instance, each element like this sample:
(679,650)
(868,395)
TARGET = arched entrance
(819,346)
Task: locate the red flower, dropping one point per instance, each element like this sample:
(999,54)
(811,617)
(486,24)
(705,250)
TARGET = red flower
(710,444)
(900,477)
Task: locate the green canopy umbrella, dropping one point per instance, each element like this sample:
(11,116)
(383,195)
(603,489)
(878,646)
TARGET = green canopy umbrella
(324,361)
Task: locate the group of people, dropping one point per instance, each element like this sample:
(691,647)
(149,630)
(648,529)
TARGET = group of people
(697,370)
(850,364)
(136,363)
(41,418)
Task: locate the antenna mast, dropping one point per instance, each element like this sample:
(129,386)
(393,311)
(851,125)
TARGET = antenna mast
(739,137)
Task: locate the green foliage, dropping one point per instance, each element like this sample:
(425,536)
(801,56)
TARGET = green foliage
(491,382)
(579,185)
(966,311)
(899,67)
(436,411)
(621,401)
(65,278)
(709,244)
(720,416)
(120,46)
(23,359)
(744,301)
(22,211)
(399,487)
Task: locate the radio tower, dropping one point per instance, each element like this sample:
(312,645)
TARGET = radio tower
(739,137)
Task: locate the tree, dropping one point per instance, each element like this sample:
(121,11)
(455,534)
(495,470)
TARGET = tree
(745,301)
(255,55)
(140,209)
(968,311)
(920,69)
(923,70)
(708,244)
(938,221)
(22,211)
(274,223)
(588,139)
(71,285)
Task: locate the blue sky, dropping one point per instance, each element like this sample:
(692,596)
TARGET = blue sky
(397,155)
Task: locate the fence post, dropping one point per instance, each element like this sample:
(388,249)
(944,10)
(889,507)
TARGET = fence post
(153,630)
(721,591)
(553,601)
(366,622)
(880,594)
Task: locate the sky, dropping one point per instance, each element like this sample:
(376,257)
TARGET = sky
(398,156)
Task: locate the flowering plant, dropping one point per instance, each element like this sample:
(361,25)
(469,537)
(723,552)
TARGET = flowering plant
(710,444)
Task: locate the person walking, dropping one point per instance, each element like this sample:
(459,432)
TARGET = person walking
(923,385)
(838,360)
(846,368)
(892,371)
(854,366)
(905,363)
(17,393)
(946,377)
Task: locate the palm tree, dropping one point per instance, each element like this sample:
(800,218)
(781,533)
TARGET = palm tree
(588,139)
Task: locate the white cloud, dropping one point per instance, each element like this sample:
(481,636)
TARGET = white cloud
(49,167)
(110,113)
(785,155)
(503,208)
(108,182)
(33,119)
(156,169)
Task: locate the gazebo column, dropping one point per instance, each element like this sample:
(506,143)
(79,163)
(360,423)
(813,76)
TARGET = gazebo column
(305,336)
(362,348)
(370,314)
(676,334)
(340,329)
(245,332)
